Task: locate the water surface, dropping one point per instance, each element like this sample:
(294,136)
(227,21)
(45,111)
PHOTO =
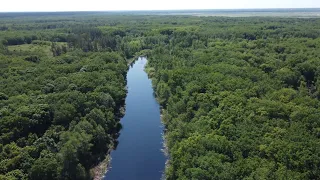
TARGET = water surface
(138,154)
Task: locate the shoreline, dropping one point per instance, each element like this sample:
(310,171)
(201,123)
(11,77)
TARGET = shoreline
(102,168)
(99,171)
(165,149)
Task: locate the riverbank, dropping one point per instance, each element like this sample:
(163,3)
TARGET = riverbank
(165,149)
(99,171)
(102,168)
(150,71)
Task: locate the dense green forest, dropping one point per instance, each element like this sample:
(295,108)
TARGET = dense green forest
(240,96)
(61,96)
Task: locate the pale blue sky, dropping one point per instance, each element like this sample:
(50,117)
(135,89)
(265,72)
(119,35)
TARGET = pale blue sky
(104,5)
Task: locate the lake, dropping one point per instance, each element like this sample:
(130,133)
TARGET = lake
(138,154)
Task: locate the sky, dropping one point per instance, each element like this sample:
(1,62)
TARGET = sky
(111,5)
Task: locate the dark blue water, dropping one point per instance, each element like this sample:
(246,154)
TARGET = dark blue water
(138,155)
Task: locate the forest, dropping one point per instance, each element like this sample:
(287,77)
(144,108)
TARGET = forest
(62,95)
(239,96)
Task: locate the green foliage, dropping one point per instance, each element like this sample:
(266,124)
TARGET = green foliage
(59,105)
(240,98)
(240,95)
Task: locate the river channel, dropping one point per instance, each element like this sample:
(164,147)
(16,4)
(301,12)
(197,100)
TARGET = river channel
(138,155)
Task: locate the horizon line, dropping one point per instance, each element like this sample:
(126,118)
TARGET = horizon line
(146,10)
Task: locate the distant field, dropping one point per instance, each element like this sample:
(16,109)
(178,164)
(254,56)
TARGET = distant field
(298,13)
(264,14)
(31,48)
(295,12)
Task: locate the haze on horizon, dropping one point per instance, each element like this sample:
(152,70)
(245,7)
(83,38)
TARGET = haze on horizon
(105,5)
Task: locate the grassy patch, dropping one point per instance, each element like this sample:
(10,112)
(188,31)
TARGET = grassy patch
(39,49)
